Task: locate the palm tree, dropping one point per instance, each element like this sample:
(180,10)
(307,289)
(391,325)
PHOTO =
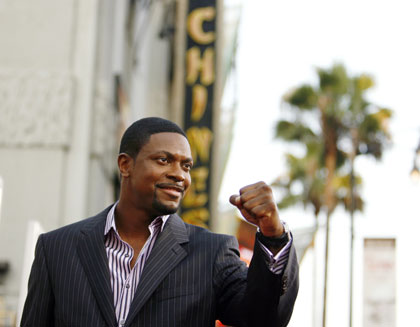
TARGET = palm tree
(304,183)
(334,123)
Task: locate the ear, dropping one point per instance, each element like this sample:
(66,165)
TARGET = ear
(125,164)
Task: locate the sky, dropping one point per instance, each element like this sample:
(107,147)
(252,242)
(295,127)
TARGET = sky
(280,45)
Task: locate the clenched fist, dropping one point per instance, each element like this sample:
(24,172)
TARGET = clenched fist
(256,204)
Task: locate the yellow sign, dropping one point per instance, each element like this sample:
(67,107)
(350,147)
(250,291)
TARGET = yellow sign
(199,83)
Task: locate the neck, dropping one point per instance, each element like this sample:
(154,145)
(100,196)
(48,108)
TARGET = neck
(132,221)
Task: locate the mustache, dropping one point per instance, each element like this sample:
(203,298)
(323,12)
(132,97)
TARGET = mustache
(171,186)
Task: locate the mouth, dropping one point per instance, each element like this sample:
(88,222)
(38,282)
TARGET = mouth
(173,190)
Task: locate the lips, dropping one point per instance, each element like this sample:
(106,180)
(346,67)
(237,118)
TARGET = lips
(171,189)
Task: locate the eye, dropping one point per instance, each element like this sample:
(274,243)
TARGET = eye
(188,166)
(162,160)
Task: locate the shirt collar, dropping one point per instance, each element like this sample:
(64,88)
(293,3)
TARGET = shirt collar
(110,220)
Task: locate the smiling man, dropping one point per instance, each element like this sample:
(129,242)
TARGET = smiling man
(138,264)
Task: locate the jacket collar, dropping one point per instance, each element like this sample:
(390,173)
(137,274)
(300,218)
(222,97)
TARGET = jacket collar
(91,251)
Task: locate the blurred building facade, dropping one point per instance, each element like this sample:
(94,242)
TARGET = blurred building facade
(73,75)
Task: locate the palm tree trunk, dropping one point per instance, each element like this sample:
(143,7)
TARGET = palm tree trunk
(314,273)
(330,140)
(326,254)
(354,136)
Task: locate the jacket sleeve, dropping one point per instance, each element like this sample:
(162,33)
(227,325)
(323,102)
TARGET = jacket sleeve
(230,283)
(255,296)
(39,304)
(270,298)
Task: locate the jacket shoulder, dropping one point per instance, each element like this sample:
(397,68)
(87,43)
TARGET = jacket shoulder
(200,234)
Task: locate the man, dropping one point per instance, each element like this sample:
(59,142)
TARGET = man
(138,264)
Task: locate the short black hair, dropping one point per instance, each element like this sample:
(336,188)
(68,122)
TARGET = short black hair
(138,133)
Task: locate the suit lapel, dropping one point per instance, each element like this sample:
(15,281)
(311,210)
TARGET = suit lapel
(166,254)
(91,250)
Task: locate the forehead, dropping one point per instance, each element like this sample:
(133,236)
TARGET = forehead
(169,142)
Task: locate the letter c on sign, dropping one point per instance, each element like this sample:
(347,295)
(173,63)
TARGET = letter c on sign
(195,24)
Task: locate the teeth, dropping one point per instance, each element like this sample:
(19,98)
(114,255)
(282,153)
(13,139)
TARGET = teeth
(172,188)
(175,189)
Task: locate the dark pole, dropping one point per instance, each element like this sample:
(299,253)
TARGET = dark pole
(351,241)
(324,309)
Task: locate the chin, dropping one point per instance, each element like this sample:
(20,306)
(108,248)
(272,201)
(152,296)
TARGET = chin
(163,209)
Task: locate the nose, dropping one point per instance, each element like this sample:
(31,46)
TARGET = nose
(177,173)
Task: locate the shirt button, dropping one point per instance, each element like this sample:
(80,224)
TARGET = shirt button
(127,255)
(127,286)
(122,322)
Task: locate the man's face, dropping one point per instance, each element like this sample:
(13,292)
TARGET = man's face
(161,174)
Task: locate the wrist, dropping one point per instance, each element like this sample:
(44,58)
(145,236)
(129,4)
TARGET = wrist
(272,230)
(277,241)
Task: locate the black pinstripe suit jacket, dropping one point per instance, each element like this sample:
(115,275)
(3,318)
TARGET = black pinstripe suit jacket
(191,278)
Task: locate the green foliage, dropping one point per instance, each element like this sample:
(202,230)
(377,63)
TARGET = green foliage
(304,182)
(343,192)
(288,200)
(334,80)
(364,82)
(290,131)
(344,116)
(303,97)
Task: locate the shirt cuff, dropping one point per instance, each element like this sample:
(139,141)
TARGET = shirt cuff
(277,263)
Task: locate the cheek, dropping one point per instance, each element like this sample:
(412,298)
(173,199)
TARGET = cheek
(146,180)
(187,181)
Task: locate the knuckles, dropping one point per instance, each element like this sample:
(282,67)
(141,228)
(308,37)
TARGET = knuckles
(261,187)
(258,199)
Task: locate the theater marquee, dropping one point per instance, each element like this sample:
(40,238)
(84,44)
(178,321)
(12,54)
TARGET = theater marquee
(199,100)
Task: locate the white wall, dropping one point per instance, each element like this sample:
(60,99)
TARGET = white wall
(149,88)
(59,124)
(46,82)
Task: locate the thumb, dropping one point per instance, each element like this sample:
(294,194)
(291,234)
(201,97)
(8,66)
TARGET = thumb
(235,200)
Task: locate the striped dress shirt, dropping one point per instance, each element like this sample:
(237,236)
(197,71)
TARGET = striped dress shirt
(124,280)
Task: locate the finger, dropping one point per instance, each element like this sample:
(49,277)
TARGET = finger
(256,190)
(259,199)
(251,187)
(266,218)
(248,217)
(262,210)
